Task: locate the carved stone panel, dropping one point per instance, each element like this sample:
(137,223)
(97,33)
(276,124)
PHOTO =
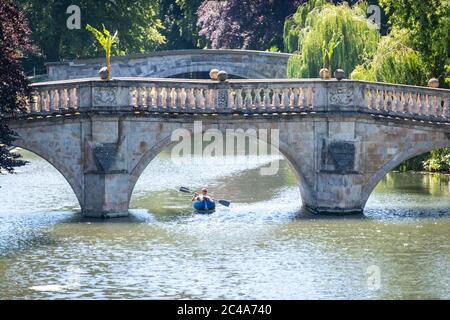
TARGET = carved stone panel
(104,97)
(341,96)
(105,155)
(343,156)
(222,98)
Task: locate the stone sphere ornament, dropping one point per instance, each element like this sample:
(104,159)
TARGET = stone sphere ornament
(324,73)
(339,74)
(213,74)
(433,83)
(222,76)
(103,73)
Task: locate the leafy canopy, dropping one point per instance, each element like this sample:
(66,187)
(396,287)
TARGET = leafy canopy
(323,31)
(14,85)
(105,39)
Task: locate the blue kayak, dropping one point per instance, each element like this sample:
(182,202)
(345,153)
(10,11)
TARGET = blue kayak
(205,205)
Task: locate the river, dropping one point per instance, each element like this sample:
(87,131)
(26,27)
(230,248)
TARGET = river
(261,247)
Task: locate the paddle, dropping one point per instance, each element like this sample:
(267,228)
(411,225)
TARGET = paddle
(225,203)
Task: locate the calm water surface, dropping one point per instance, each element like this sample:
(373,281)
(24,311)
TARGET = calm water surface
(262,247)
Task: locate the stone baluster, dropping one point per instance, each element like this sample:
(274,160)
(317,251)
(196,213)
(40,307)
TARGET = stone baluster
(190,99)
(437,112)
(396,103)
(421,104)
(207,99)
(149,102)
(445,107)
(239,99)
(371,96)
(70,99)
(46,102)
(427,108)
(304,98)
(169,100)
(159,98)
(380,100)
(294,98)
(53,101)
(388,106)
(404,102)
(231,104)
(198,98)
(413,105)
(61,99)
(257,99)
(33,104)
(285,98)
(130,97)
(276,99)
(266,98)
(178,99)
(248,101)
(141,98)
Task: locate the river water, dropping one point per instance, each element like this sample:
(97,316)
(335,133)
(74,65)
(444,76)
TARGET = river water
(261,247)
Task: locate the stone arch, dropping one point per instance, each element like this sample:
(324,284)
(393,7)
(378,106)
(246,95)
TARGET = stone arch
(283,148)
(408,153)
(73,182)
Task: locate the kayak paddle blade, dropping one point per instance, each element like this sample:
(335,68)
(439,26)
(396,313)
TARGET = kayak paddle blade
(225,203)
(185,190)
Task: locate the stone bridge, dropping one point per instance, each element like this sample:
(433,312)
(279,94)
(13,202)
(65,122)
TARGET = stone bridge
(179,63)
(341,138)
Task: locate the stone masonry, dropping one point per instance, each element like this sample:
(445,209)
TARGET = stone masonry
(341,138)
(166,64)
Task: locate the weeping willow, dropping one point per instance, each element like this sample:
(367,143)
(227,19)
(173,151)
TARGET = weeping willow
(293,26)
(394,62)
(358,38)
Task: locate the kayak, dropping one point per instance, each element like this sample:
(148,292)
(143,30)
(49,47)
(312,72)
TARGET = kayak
(204,206)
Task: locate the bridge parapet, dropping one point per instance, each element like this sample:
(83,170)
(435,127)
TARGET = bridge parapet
(271,96)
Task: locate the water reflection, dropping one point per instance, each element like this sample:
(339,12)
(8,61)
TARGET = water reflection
(257,248)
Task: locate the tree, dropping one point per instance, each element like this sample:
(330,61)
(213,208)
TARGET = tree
(137,23)
(394,62)
(428,25)
(295,23)
(179,20)
(106,40)
(14,85)
(319,24)
(244,24)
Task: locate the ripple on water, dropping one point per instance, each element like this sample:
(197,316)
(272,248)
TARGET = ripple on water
(262,248)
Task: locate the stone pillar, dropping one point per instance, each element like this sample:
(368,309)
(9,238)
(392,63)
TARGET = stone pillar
(339,180)
(106,177)
(106,194)
(329,162)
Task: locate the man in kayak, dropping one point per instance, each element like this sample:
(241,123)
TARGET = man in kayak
(202,196)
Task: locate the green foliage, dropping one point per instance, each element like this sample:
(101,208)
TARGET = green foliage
(414,164)
(179,19)
(339,31)
(439,161)
(428,25)
(294,25)
(394,62)
(105,39)
(137,23)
